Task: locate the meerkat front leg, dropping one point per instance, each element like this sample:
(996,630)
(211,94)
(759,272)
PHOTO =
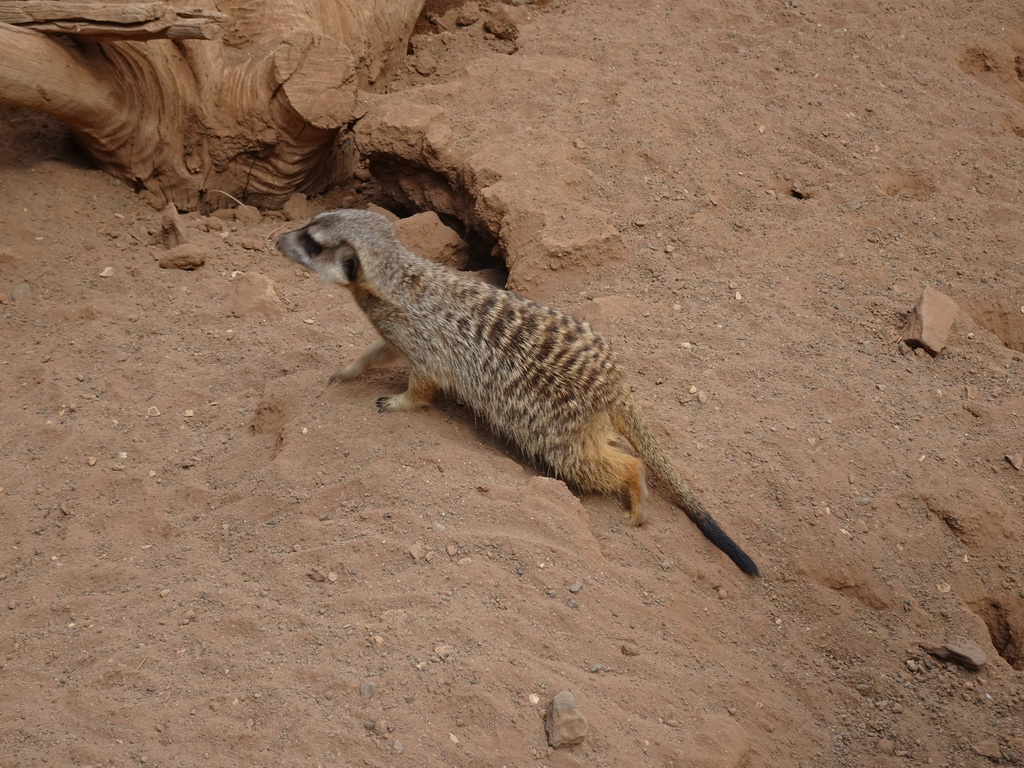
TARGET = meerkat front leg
(420,393)
(379,353)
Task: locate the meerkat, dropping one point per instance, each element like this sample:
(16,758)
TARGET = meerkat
(539,377)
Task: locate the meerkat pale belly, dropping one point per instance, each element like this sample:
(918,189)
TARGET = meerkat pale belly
(538,376)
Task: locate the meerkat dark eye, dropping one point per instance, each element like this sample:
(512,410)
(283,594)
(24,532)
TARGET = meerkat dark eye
(351,267)
(311,246)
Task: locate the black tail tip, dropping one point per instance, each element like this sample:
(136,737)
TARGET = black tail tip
(742,559)
(735,553)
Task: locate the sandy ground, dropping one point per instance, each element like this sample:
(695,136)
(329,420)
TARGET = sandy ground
(209,557)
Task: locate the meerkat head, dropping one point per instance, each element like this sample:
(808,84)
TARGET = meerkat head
(334,244)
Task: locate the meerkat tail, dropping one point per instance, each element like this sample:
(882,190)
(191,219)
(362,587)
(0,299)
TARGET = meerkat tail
(629,421)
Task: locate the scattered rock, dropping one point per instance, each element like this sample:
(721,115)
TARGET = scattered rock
(247,214)
(576,587)
(468,14)
(566,726)
(988,748)
(1016,460)
(428,236)
(444,651)
(499,23)
(977,411)
(366,691)
(184,256)
(296,208)
(396,747)
(172,229)
(418,551)
(1015,751)
(886,747)
(630,649)
(424,63)
(966,654)
(254,294)
(930,321)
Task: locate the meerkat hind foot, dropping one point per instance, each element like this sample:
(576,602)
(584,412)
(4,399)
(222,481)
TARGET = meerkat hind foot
(389,403)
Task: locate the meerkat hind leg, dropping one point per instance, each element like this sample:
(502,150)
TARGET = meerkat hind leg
(420,393)
(631,475)
(604,467)
(377,354)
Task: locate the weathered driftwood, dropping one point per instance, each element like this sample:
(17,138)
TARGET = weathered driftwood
(256,116)
(106,22)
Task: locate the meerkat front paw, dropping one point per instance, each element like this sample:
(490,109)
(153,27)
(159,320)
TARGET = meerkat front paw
(344,374)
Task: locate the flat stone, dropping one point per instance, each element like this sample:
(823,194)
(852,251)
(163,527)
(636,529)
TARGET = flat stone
(184,256)
(930,321)
(966,654)
(418,551)
(988,748)
(254,294)
(566,726)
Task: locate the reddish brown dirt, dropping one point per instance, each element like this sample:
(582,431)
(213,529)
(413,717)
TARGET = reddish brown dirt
(207,551)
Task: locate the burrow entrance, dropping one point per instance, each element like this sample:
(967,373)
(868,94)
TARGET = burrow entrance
(406,190)
(1005,622)
(1001,318)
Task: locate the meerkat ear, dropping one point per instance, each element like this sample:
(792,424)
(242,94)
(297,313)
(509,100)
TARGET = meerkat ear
(351,268)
